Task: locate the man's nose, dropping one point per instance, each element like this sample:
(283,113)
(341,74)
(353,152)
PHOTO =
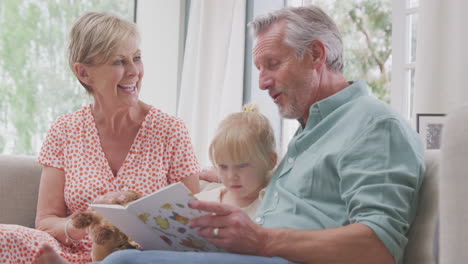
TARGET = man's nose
(265,81)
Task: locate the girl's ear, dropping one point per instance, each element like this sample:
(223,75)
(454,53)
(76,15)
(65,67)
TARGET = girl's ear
(82,72)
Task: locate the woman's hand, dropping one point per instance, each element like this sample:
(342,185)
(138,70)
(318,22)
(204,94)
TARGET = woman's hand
(109,198)
(122,197)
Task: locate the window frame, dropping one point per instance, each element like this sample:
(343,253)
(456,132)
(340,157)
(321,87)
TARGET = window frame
(401,87)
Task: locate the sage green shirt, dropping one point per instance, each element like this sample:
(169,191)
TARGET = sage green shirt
(356,161)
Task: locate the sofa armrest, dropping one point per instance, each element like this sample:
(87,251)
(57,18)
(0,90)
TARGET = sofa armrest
(421,234)
(19,185)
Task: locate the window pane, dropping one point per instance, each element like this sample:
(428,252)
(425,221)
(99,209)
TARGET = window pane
(412,25)
(299,2)
(410,89)
(412,3)
(36,83)
(294,2)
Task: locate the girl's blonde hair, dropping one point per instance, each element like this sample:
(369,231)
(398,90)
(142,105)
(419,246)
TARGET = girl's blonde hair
(96,36)
(244,136)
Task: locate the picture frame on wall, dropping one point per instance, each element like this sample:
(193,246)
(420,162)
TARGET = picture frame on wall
(430,126)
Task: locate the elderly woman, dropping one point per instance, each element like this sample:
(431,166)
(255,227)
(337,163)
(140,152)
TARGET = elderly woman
(115,144)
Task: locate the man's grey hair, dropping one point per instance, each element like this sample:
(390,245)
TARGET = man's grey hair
(303,26)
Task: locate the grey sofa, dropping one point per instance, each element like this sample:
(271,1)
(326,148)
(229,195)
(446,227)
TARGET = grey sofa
(19,184)
(453,188)
(20,175)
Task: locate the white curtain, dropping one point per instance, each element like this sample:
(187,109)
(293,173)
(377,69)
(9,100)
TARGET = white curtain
(441,80)
(213,69)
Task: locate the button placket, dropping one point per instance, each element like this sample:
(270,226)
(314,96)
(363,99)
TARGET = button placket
(258,219)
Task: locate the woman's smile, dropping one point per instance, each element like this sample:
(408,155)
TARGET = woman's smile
(128,88)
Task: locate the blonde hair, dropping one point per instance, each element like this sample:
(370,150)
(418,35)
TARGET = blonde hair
(95,37)
(244,136)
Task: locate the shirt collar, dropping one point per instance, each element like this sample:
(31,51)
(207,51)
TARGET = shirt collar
(261,194)
(321,109)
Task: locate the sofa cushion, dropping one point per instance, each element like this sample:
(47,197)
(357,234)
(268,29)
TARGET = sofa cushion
(19,185)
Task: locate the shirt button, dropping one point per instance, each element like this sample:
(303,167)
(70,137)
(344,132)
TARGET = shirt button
(290,160)
(258,219)
(276,194)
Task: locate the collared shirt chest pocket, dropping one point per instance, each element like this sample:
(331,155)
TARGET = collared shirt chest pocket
(310,175)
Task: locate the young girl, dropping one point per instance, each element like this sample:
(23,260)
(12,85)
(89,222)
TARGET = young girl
(243,153)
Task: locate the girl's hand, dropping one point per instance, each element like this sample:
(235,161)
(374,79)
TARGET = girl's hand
(209,174)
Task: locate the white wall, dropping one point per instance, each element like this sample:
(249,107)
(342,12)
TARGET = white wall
(161,24)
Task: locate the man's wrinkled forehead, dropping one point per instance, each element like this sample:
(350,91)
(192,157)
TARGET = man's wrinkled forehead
(268,39)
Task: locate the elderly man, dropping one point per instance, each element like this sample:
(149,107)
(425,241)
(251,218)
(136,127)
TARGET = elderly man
(347,189)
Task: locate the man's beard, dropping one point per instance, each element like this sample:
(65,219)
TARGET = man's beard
(292,110)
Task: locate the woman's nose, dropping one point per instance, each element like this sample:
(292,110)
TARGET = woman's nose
(132,69)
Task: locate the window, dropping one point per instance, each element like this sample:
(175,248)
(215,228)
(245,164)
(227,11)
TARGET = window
(366,28)
(36,84)
(405,21)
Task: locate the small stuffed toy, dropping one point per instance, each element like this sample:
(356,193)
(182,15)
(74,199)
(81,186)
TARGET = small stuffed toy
(105,236)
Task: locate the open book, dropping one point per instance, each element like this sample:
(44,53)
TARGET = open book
(159,220)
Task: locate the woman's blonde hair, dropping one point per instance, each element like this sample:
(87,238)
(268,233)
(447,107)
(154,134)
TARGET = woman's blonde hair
(95,37)
(244,136)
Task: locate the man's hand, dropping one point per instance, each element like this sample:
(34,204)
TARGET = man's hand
(236,233)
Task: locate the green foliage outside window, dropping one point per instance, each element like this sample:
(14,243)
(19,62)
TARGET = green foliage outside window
(36,84)
(369,55)
(366,28)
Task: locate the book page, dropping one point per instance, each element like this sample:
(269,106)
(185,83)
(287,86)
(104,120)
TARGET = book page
(166,212)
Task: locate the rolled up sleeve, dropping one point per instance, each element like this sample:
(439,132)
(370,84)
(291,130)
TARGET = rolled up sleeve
(380,177)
